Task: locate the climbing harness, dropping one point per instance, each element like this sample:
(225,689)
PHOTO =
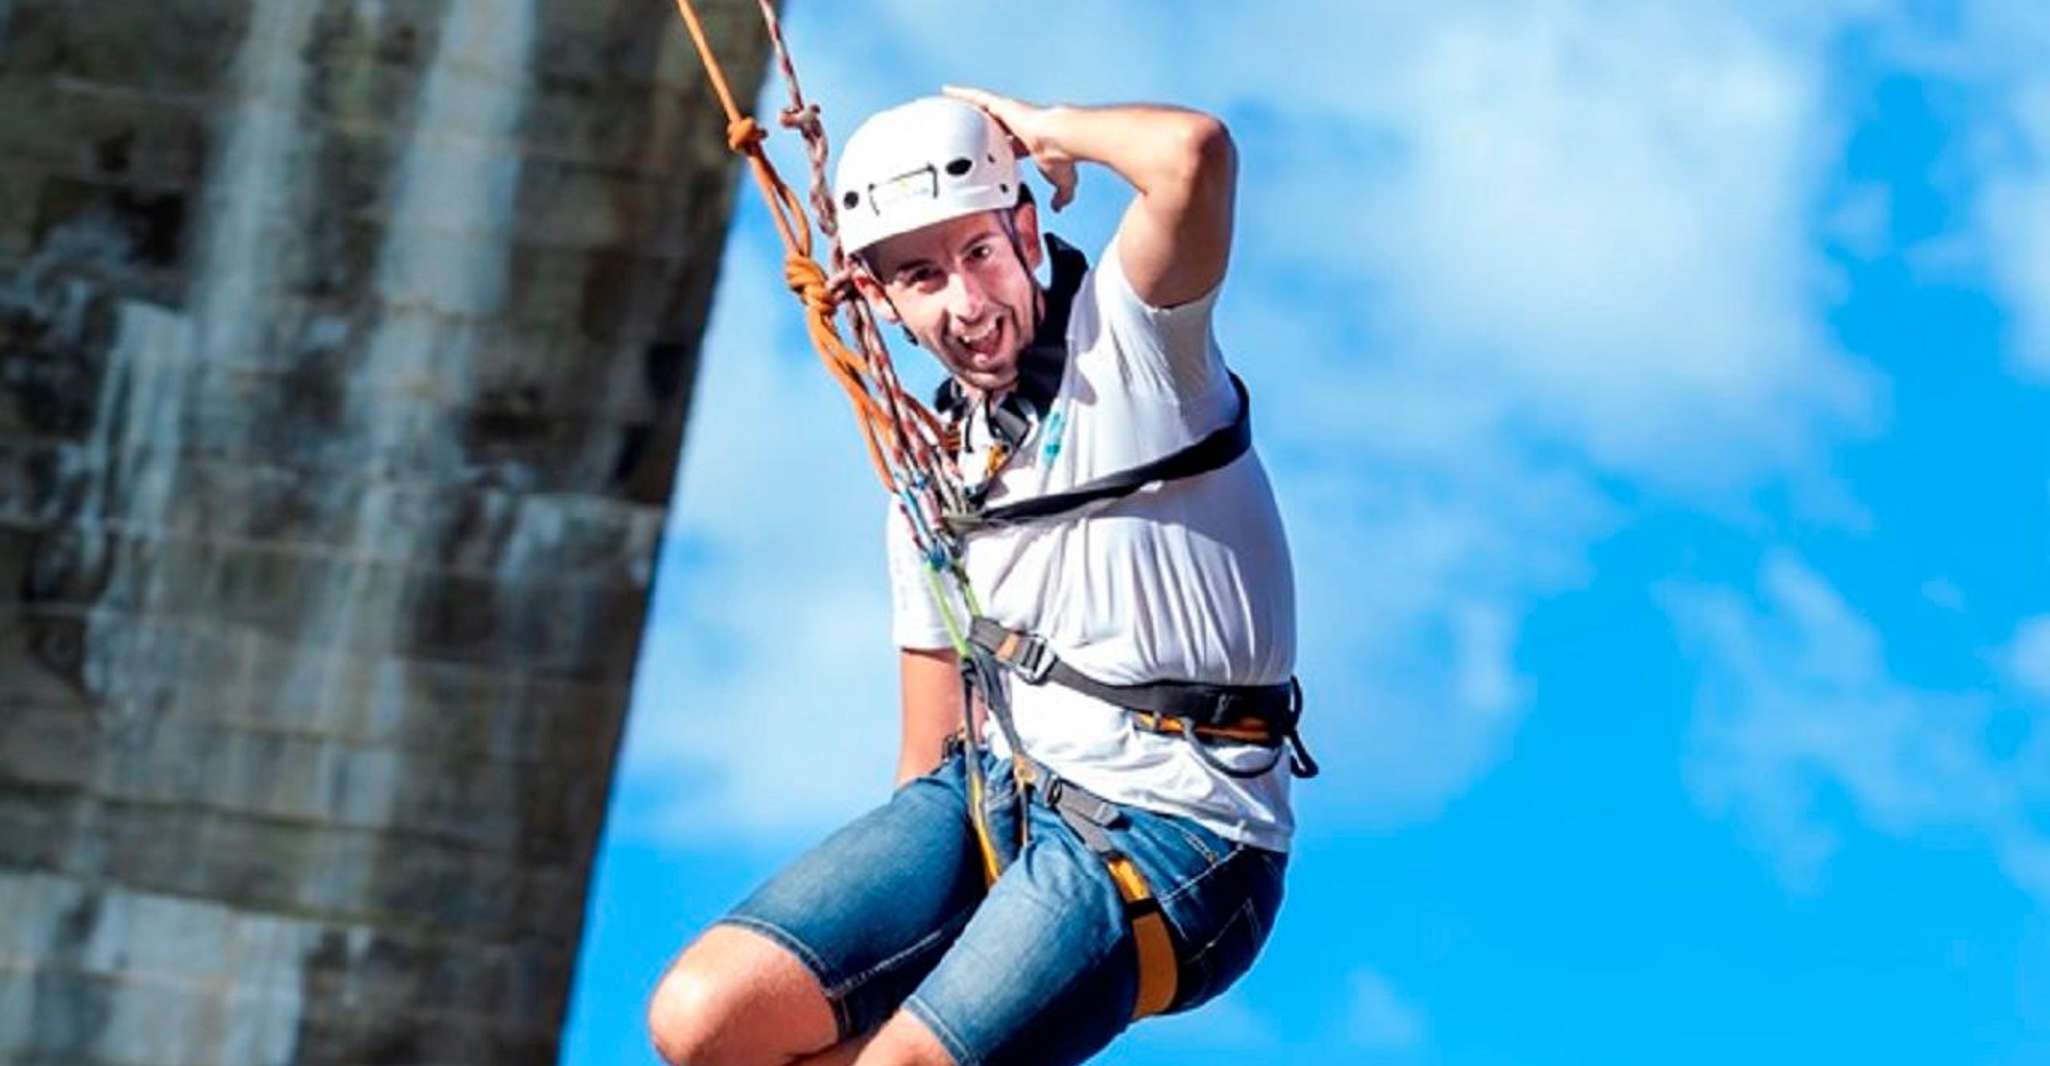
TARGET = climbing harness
(1263,715)
(914,454)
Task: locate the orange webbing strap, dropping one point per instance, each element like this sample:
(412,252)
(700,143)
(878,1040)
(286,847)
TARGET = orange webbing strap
(1157,978)
(1090,815)
(978,816)
(1245,730)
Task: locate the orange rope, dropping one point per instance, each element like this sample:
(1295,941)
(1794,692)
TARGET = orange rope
(823,295)
(894,426)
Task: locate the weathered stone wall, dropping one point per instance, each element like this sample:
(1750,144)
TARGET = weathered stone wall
(344,353)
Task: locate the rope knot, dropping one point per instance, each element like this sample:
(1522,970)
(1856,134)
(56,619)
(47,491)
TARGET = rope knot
(743,133)
(808,280)
(803,119)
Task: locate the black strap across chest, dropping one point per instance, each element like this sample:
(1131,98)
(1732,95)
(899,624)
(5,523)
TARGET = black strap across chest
(1040,368)
(1193,709)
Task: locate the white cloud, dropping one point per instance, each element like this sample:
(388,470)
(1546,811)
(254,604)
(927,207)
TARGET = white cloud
(1381,1018)
(1600,214)
(1796,699)
(1531,244)
(2028,656)
(1944,593)
(1860,221)
(1229,1023)
(1989,52)
(2015,221)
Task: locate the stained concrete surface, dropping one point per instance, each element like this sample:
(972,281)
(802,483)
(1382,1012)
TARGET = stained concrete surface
(345,348)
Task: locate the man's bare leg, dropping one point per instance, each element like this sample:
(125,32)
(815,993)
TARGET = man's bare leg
(904,1041)
(695,1025)
(738,998)
(841,1054)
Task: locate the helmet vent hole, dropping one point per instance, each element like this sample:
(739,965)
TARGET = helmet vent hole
(852,199)
(959,167)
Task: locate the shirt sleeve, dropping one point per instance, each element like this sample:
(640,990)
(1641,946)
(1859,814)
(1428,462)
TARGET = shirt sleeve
(915,622)
(1171,347)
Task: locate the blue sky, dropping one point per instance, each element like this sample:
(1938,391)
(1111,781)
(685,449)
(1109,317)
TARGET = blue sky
(1656,395)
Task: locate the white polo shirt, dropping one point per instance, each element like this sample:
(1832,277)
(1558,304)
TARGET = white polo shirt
(1188,580)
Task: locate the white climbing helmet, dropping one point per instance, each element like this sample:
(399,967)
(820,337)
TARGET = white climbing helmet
(915,164)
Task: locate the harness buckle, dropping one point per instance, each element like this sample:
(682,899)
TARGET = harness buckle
(1031,658)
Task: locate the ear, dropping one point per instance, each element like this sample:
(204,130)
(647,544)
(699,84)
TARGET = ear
(872,291)
(1025,218)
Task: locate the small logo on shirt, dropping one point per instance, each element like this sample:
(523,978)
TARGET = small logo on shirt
(1055,423)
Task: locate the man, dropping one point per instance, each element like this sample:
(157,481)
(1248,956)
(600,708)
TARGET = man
(1170,584)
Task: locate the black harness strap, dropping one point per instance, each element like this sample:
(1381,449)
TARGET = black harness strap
(1193,709)
(1217,449)
(1091,818)
(1042,363)
(1196,707)
(1040,368)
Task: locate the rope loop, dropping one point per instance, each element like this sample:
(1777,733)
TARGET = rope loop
(808,280)
(743,133)
(903,437)
(841,284)
(804,120)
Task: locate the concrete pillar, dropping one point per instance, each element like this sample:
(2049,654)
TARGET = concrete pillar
(345,347)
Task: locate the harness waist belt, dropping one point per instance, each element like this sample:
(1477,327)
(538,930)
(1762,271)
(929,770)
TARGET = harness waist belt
(1266,715)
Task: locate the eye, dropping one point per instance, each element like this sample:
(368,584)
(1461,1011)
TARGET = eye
(917,277)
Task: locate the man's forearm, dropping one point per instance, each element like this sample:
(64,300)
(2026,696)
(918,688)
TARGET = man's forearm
(1161,151)
(1175,238)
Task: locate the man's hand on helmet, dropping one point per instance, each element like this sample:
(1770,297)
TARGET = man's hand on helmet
(1028,125)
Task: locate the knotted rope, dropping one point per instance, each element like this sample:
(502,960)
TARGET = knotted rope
(908,445)
(903,436)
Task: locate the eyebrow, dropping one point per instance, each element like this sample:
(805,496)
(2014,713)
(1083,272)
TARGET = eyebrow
(980,237)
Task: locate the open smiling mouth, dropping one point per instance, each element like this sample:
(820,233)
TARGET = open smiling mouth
(982,343)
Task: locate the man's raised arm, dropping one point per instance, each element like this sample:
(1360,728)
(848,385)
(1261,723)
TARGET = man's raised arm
(1175,239)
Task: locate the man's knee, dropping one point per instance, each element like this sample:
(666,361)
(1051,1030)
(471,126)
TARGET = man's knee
(735,998)
(686,1016)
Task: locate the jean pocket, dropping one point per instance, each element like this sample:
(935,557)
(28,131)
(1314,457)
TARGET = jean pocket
(1215,966)
(1226,924)
(1213,848)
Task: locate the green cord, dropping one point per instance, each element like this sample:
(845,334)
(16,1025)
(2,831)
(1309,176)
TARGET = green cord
(939,599)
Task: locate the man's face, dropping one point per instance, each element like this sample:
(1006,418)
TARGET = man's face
(960,289)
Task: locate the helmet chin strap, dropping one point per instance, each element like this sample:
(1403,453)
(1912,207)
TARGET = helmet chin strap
(861,263)
(1041,363)
(1009,220)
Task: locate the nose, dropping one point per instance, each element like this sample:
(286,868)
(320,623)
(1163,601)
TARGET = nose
(966,298)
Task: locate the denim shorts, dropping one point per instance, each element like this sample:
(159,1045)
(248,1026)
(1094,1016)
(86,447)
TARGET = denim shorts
(1039,968)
